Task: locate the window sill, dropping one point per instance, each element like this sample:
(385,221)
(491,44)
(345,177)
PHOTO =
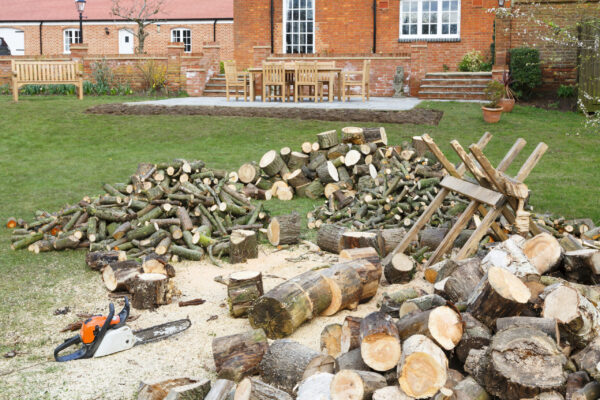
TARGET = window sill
(426,39)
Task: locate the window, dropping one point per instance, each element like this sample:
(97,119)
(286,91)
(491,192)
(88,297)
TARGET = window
(299,27)
(182,35)
(70,36)
(430,19)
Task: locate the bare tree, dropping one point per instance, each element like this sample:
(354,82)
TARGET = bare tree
(142,12)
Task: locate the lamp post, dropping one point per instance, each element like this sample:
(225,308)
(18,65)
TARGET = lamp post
(80,4)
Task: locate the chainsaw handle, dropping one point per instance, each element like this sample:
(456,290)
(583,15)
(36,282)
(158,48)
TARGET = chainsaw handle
(80,353)
(123,315)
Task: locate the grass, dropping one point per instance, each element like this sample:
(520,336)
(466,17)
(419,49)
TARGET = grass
(53,153)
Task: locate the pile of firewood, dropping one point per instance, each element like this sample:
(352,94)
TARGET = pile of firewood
(178,210)
(520,323)
(321,168)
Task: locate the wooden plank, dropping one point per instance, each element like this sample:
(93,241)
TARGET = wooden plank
(511,155)
(474,192)
(470,247)
(531,162)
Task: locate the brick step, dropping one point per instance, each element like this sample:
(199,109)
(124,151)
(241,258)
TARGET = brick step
(451,95)
(456,82)
(453,88)
(454,75)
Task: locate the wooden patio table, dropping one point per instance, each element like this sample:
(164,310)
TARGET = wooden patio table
(290,68)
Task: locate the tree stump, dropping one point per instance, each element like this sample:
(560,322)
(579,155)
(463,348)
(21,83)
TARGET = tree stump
(379,341)
(329,238)
(346,288)
(400,269)
(288,363)
(150,291)
(121,275)
(243,245)
(243,289)
(422,370)
(238,356)
(331,337)
(284,229)
(355,385)
(442,324)
(254,389)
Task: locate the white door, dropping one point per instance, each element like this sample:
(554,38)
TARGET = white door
(15,39)
(125,42)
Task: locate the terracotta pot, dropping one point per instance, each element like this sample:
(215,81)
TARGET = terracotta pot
(491,115)
(507,104)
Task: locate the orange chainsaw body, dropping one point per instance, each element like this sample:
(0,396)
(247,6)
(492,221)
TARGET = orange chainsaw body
(91,326)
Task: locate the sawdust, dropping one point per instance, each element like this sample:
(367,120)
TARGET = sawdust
(190,354)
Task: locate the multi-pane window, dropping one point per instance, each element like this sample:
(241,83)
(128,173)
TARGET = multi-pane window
(430,19)
(299,29)
(182,35)
(70,36)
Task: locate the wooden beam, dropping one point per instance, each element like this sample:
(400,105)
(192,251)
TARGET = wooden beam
(472,191)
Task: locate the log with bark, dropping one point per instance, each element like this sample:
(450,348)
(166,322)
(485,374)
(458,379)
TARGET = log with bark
(330,236)
(174,389)
(97,260)
(360,253)
(350,338)
(544,252)
(442,324)
(243,245)
(346,288)
(150,291)
(475,336)
(316,386)
(422,370)
(243,289)
(351,360)
(400,269)
(379,341)
(121,275)
(255,389)
(284,229)
(238,356)
(331,337)
(421,303)
(157,264)
(355,385)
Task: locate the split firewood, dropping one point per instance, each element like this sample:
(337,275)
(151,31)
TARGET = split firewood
(174,389)
(243,245)
(255,389)
(355,385)
(350,338)
(238,356)
(243,289)
(121,275)
(379,341)
(315,387)
(284,229)
(222,389)
(442,324)
(422,370)
(150,291)
(331,337)
(288,363)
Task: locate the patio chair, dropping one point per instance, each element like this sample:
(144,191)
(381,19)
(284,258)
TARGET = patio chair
(234,80)
(326,78)
(307,75)
(352,79)
(273,77)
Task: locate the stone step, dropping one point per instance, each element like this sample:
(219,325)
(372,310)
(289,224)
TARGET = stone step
(454,81)
(457,95)
(458,74)
(453,88)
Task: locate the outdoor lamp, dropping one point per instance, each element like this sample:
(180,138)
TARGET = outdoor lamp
(501,3)
(80,4)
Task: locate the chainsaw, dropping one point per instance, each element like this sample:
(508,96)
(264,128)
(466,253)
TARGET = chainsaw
(100,336)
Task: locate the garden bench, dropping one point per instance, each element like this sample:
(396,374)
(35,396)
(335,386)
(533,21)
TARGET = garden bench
(46,73)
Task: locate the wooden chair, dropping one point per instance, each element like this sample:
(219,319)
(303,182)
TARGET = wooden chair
(273,77)
(327,78)
(234,80)
(307,75)
(356,78)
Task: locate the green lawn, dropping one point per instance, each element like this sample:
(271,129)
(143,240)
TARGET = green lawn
(52,153)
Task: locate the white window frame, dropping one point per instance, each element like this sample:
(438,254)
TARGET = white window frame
(68,41)
(284,43)
(181,31)
(437,37)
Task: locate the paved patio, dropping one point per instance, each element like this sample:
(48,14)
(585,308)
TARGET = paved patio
(374,104)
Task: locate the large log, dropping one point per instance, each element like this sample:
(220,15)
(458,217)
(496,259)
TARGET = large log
(499,294)
(350,338)
(399,269)
(331,337)
(243,245)
(97,260)
(346,288)
(353,240)
(509,255)
(255,389)
(328,139)
(379,341)
(370,275)
(462,282)
(544,252)
(238,356)
(475,336)
(422,370)
(547,325)
(243,289)
(330,236)
(121,275)
(284,308)
(442,324)
(360,253)
(288,363)
(150,291)
(355,385)
(519,363)
(284,229)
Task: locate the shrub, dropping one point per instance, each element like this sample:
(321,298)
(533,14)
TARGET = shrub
(566,91)
(5,89)
(221,67)
(494,93)
(473,62)
(102,74)
(154,76)
(525,70)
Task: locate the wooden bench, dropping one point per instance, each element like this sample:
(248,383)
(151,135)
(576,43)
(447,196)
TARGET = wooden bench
(46,73)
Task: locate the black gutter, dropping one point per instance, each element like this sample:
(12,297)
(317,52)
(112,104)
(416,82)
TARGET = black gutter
(215,31)
(272,39)
(374,26)
(41,41)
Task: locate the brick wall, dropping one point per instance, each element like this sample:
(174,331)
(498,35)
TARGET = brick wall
(345,27)
(101,43)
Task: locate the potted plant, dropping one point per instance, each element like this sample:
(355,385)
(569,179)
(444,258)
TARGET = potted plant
(508,101)
(494,93)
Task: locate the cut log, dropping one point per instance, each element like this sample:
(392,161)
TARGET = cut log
(462,282)
(285,194)
(509,255)
(360,253)
(97,260)
(390,393)
(499,294)
(350,338)
(570,243)
(583,263)
(243,289)
(578,318)
(284,229)
(249,173)
(121,275)
(353,240)
(591,391)
(375,135)
(243,245)
(379,341)
(313,190)
(271,163)
(330,236)
(346,288)
(297,160)
(222,389)
(163,246)
(469,389)
(297,178)
(519,363)
(547,325)
(174,389)
(238,356)
(150,291)
(353,135)
(157,264)
(587,359)
(370,275)
(331,337)
(544,252)
(422,370)
(475,336)
(391,302)
(328,139)
(352,158)
(254,389)
(327,173)
(288,363)
(351,360)
(315,387)
(184,217)
(355,385)
(422,303)
(400,269)
(284,308)
(391,239)
(432,237)
(332,188)
(255,193)
(442,324)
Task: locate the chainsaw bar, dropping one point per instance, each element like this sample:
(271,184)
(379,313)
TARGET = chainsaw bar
(160,332)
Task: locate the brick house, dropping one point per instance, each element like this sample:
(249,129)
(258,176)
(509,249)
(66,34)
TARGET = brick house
(421,36)
(43,27)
